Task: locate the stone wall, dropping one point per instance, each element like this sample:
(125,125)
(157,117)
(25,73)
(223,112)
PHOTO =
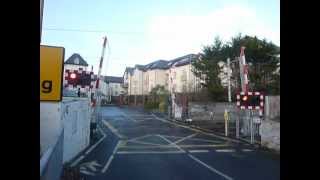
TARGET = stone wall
(270,134)
(208,111)
(270,127)
(272,108)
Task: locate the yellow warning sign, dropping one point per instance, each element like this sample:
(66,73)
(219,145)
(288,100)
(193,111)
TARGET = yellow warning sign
(51,73)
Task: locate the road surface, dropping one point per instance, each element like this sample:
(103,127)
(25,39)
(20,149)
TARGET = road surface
(137,145)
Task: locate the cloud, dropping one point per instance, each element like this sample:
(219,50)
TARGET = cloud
(171,36)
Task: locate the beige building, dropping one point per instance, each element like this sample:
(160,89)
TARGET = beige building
(133,80)
(114,85)
(175,75)
(127,79)
(155,74)
(181,77)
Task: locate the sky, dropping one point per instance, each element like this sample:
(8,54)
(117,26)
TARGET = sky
(143,31)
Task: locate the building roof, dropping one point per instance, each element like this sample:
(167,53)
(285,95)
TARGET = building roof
(164,64)
(159,64)
(129,70)
(72,60)
(113,79)
(184,60)
(140,67)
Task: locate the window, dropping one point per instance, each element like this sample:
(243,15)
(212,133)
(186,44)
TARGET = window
(76,61)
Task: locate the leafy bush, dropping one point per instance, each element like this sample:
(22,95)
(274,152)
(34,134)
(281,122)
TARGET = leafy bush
(151,105)
(163,107)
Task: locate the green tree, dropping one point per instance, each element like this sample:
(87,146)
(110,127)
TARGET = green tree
(158,100)
(158,90)
(207,69)
(261,55)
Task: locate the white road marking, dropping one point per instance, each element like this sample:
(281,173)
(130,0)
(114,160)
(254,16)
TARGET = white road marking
(107,165)
(90,165)
(210,168)
(177,137)
(199,161)
(87,172)
(140,137)
(196,139)
(193,129)
(95,145)
(149,152)
(199,151)
(129,117)
(171,143)
(77,161)
(113,130)
(185,138)
(225,150)
(105,168)
(92,168)
(146,143)
(170,146)
(143,115)
(247,150)
(88,151)
(205,140)
(94,163)
(101,131)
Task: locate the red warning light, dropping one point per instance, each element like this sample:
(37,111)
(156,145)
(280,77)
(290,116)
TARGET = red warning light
(245,98)
(73,75)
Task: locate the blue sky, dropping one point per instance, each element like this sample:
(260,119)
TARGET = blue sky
(142,31)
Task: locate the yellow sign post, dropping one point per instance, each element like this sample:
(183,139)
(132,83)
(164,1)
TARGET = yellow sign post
(51,73)
(226,121)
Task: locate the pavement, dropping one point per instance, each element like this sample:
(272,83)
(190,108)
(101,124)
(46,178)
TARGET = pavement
(140,145)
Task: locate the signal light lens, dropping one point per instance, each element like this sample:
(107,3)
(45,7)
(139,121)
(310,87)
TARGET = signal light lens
(73,75)
(245,98)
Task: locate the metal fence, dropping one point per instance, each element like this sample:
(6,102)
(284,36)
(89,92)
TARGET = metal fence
(51,161)
(247,125)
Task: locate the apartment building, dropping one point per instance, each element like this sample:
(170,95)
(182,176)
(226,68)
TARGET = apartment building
(114,85)
(133,80)
(155,73)
(175,75)
(181,77)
